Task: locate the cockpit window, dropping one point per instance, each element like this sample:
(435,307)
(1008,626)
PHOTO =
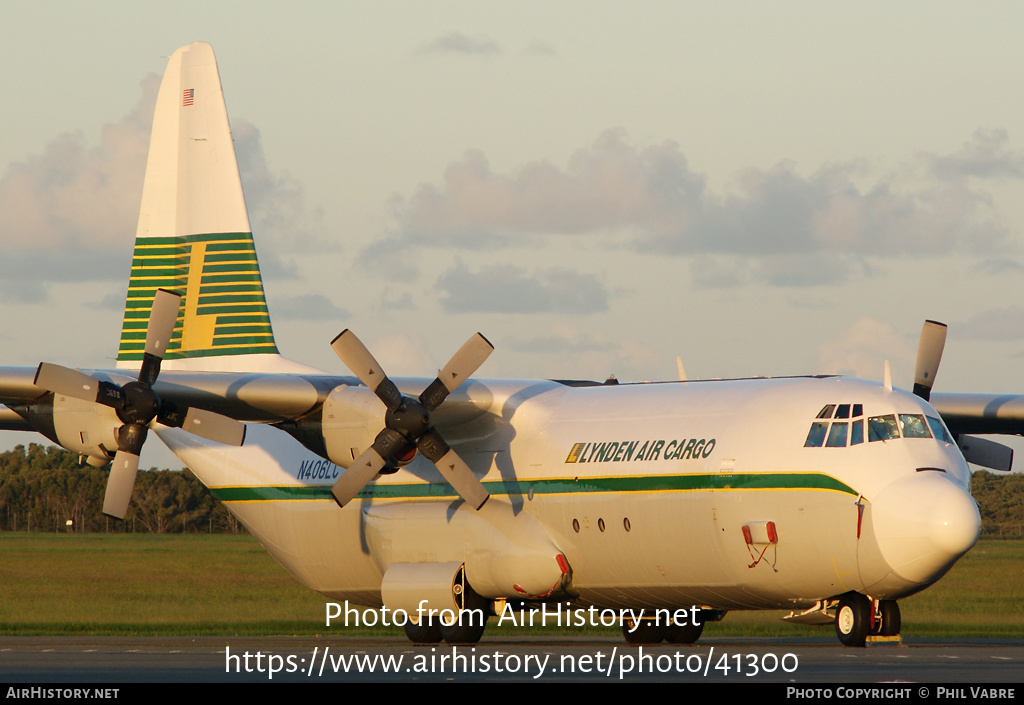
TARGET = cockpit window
(913,426)
(883,428)
(838,433)
(831,432)
(816,435)
(837,436)
(939,430)
(857,432)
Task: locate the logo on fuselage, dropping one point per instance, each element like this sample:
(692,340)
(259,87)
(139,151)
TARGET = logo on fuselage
(623,451)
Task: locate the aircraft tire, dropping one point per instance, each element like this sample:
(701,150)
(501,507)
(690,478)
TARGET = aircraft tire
(426,632)
(467,633)
(647,632)
(891,620)
(853,619)
(683,633)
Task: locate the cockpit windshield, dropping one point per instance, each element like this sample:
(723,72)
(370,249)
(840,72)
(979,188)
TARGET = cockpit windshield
(841,425)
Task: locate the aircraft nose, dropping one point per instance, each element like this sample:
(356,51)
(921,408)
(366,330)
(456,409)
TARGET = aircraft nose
(923,524)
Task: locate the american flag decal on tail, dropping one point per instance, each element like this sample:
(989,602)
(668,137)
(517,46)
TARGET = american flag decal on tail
(187,96)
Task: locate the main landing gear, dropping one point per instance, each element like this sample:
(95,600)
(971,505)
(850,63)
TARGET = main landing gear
(653,631)
(468,630)
(858,617)
(470,619)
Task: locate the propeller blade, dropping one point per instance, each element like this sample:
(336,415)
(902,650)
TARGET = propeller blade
(120,484)
(460,368)
(454,469)
(358,359)
(466,361)
(357,475)
(205,424)
(462,479)
(929,354)
(162,319)
(77,385)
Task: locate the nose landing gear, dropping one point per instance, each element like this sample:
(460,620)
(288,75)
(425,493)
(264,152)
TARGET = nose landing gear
(858,617)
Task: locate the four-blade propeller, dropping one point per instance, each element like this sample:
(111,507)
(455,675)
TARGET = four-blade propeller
(138,406)
(407,421)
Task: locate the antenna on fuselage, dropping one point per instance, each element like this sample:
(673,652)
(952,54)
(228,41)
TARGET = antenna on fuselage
(887,377)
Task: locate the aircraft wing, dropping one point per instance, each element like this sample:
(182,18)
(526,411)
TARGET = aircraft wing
(243,396)
(10,421)
(981,413)
(253,397)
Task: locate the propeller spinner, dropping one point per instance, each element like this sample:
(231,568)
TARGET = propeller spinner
(138,406)
(407,422)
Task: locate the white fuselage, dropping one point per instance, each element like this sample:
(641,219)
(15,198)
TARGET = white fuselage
(644,489)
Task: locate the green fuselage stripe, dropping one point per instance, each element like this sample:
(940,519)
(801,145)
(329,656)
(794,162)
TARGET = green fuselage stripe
(585,485)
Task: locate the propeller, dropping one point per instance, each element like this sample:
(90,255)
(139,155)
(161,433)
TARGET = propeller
(929,354)
(138,406)
(407,425)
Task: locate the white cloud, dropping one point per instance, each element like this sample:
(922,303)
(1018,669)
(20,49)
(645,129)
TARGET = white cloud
(306,307)
(70,213)
(994,324)
(459,43)
(862,349)
(505,288)
(987,155)
(779,223)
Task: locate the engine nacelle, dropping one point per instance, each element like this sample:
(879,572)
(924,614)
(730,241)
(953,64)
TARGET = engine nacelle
(82,427)
(351,419)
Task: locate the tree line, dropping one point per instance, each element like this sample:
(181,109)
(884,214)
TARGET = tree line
(43,488)
(1001,503)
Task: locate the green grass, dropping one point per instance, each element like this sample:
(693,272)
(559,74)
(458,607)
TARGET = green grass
(191,585)
(149,584)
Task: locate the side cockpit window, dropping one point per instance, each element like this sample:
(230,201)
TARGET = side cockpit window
(857,432)
(816,436)
(939,429)
(846,426)
(837,435)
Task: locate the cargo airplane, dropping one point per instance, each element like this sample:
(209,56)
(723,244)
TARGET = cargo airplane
(826,496)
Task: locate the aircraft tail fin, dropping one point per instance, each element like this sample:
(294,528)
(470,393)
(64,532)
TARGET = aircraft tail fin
(194,235)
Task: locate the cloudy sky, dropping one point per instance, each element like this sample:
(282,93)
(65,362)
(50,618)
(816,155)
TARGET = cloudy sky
(759,188)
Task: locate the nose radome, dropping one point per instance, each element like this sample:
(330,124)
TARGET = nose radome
(923,523)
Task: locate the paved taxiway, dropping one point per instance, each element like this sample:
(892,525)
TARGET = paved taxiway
(80,660)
